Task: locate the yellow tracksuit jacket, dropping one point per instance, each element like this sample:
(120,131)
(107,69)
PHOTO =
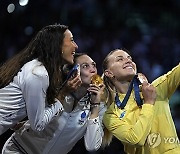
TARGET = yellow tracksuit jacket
(148,129)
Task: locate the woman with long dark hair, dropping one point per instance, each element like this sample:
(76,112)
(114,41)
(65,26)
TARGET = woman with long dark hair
(30,81)
(81,116)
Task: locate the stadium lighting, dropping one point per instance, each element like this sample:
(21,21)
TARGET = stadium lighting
(23,2)
(11,8)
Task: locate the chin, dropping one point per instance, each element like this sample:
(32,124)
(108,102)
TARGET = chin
(70,61)
(130,76)
(133,74)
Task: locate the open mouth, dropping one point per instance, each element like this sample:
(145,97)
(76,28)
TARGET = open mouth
(73,53)
(128,67)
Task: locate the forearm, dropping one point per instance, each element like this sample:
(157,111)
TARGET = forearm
(167,84)
(141,128)
(94,111)
(38,111)
(128,132)
(40,122)
(94,134)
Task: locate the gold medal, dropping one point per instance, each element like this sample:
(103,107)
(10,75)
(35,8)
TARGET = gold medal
(142,78)
(97,80)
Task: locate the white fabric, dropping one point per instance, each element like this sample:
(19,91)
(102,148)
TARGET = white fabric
(63,131)
(25,96)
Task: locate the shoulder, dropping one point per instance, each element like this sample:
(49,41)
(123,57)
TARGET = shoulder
(110,110)
(35,68)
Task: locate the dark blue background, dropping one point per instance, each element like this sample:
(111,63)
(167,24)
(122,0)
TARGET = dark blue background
(150,29)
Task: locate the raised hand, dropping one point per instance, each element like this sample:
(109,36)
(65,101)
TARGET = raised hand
(71,85)
(96,92)
(149,93)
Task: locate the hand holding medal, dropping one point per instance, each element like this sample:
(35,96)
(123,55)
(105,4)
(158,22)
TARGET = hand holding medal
(96,90)
(148,91)
(142,78)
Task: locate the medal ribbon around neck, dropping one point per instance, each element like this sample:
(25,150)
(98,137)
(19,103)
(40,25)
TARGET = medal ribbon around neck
(134,84)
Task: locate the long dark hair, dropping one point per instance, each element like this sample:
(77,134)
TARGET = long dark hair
(46,46)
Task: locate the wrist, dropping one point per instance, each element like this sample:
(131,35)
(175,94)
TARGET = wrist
(94,105)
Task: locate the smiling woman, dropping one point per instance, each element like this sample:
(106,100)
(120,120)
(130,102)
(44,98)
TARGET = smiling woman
(30,80)
(69,47)
(123,61)
(133,123)
(81,116)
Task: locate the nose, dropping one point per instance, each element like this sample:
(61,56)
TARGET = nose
(128,60)
(93,69)
(75,45)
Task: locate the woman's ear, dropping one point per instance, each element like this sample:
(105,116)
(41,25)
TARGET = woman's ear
(108,73)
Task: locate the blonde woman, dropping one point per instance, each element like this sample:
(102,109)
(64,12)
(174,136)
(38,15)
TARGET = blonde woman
(139,117)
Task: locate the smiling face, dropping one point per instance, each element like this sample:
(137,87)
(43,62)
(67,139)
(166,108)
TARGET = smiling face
(87,68)
(120,66)
(69,47)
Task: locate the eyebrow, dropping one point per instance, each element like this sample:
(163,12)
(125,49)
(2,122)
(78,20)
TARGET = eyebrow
(83,64)
(119,57)
(122,57)
(88,63)
(93,63)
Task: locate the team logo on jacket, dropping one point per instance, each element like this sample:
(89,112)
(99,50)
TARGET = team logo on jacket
(122,114)
(153,140)
(83,118)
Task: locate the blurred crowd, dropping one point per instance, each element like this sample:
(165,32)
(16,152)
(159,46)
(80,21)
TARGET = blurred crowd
(148,29)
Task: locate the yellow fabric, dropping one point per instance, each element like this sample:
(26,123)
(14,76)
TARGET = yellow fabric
(150,129)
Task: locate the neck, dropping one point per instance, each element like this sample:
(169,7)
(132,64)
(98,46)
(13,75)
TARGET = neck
(122,86)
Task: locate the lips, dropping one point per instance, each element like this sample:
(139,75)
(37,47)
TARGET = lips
(128,66)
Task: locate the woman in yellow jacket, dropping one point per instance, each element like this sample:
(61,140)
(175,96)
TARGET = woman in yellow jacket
(143,126)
